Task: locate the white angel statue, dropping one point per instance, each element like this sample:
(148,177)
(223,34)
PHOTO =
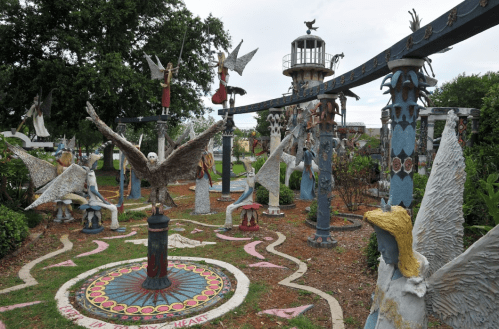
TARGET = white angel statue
(424,270)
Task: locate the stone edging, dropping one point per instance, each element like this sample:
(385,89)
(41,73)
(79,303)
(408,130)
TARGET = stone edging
(24,272)
(356,223)
(334,306)
(282,206)
(69,312)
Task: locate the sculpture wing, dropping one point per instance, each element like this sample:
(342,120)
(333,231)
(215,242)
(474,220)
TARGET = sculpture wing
(47,104)
(155,70)
(133,155)
(465,292)
(182,163)
(438,229)
(271,168)
(242,61)
(41,172)
(70,181)
(230,61)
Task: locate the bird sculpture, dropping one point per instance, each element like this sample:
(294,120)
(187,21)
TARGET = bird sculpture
(180,164)
(310,25)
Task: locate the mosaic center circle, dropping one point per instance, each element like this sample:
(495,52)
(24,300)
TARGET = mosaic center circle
(117,293)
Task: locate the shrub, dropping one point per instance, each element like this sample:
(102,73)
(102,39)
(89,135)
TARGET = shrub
(32,218)
(420,182)
(13,230)
(295,180)
(372,252)
(286,195)
(131,215)
(312,214)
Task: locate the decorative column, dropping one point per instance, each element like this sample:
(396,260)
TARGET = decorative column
(121,128)
(423,139)
(276,118)
(405,85)
(162,128)
(157,253)
(385,145)
(227,135)
(322,238)
(475,116)
(462,131)
(429,143)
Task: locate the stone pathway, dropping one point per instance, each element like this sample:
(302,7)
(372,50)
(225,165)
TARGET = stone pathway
(334,306)
(24,272)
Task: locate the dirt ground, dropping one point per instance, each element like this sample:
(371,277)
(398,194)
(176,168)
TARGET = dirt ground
(341,272)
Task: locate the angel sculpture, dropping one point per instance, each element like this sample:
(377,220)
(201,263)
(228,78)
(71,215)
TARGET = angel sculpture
(159,72)
(180,164)
(426,271)
(38,110)
(232,62)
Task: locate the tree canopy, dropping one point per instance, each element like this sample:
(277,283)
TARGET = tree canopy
(93,50)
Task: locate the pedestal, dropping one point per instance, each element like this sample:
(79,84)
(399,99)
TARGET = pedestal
(157,253)
(226,159)
(92,220)
(275,118)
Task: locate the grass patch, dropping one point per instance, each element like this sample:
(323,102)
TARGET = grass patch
(302,322)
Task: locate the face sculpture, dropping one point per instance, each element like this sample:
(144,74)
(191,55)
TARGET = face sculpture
(387,246)
(152,157)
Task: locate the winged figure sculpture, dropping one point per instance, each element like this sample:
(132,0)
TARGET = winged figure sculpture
(427,272)
(180,164)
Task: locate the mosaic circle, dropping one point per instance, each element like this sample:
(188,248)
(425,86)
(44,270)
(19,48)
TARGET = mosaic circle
(117,293)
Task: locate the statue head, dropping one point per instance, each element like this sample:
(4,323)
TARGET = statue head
(396,224)
(169,66)
(152,157)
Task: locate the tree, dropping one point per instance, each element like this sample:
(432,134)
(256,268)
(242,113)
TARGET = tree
(262,125)
(93,50)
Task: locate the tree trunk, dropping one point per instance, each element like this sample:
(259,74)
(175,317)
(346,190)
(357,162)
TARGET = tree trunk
(108,158)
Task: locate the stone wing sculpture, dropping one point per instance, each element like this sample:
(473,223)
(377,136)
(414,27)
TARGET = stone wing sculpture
(47,104)
(156,70)
(438,229)
(180,164)
(271,168)
(41,172)
(232,62)
(72,180)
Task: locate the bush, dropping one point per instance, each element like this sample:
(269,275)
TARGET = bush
(131,215)
(419,189)
(372,252)
(312,214)
(32,218)
(286,195)
(295,180)
(13,230)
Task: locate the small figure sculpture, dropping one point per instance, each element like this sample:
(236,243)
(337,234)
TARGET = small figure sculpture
(37,111)
(159,72)
(245,199)
(249,215)
(310,26)
(423,269)
(232,62)
(307,187)
(203,183)
(180,164)
(96,199)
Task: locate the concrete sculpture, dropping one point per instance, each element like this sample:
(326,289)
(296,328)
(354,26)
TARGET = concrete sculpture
(203,183)
(426,272)
(307,187)
(37,111)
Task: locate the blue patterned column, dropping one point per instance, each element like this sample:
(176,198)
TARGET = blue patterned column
(405,83)
(322,238)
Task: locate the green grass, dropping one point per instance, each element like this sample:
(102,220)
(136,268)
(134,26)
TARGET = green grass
(302,322)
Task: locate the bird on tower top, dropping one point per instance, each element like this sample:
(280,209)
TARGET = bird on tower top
(310,26)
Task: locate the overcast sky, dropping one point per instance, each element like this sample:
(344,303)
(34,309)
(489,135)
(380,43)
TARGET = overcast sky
(359,29)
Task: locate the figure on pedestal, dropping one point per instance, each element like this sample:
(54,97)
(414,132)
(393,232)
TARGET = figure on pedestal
(96,199)
(245,199)
(159,72)
(203,183)
(37,111)
(307,187)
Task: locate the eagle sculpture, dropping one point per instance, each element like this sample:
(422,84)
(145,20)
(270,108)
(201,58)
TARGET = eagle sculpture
(310,25)
(180,164)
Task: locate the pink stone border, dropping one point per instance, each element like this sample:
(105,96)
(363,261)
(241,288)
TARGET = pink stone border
(101,246)
(13,307)
(229,238)
(66,263)
(120,236)
(266,265)
(250,249)
(287,313)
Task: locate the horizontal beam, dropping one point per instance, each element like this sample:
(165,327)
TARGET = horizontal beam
(142,119)
(457,24)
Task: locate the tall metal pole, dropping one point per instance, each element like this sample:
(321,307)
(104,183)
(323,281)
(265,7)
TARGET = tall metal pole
(226,159)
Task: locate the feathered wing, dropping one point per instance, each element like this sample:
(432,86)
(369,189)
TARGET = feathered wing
(70,181)
(242,61)
(230,61)
(72,143)
(465,292)
(47,104)
(438,229)
(182,163)
(133,155)
(270,169)
(41,172)
(155,70)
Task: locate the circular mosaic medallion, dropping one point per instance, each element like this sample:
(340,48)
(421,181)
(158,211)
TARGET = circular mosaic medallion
(117,293)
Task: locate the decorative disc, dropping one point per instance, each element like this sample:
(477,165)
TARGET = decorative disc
(117,293)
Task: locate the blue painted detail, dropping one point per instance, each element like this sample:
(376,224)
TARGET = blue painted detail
(244,195)
(135,190)
(371,321)
(401,190)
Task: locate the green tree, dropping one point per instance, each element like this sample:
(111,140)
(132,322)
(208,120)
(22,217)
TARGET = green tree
(92,50)
(262,125)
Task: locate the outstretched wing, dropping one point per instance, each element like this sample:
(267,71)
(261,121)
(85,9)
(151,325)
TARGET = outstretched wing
(230,61)
(40,171)
(155,70)
(72,143)
(438,230)
(133,155)
(270,169)
(70,181)
(182,163)
(242,61)
(465,292)
(47,104)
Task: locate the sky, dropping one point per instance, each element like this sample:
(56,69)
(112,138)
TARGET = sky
(360,29)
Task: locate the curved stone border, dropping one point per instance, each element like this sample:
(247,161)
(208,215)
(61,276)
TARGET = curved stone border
(13,307)
(24,272)
(69,312)
(250,249)
(185,220)
(101,246)
(120,236)
(356,224)
(282,206)
(334,306)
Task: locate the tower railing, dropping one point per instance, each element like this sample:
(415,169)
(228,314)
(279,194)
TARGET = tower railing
(306,58)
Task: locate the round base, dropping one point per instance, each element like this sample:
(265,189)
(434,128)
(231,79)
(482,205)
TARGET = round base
(58,220)
(93,230)
(226,198)
(249,228)
(280,214)
(69,220)
(156,283)
(321,242)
